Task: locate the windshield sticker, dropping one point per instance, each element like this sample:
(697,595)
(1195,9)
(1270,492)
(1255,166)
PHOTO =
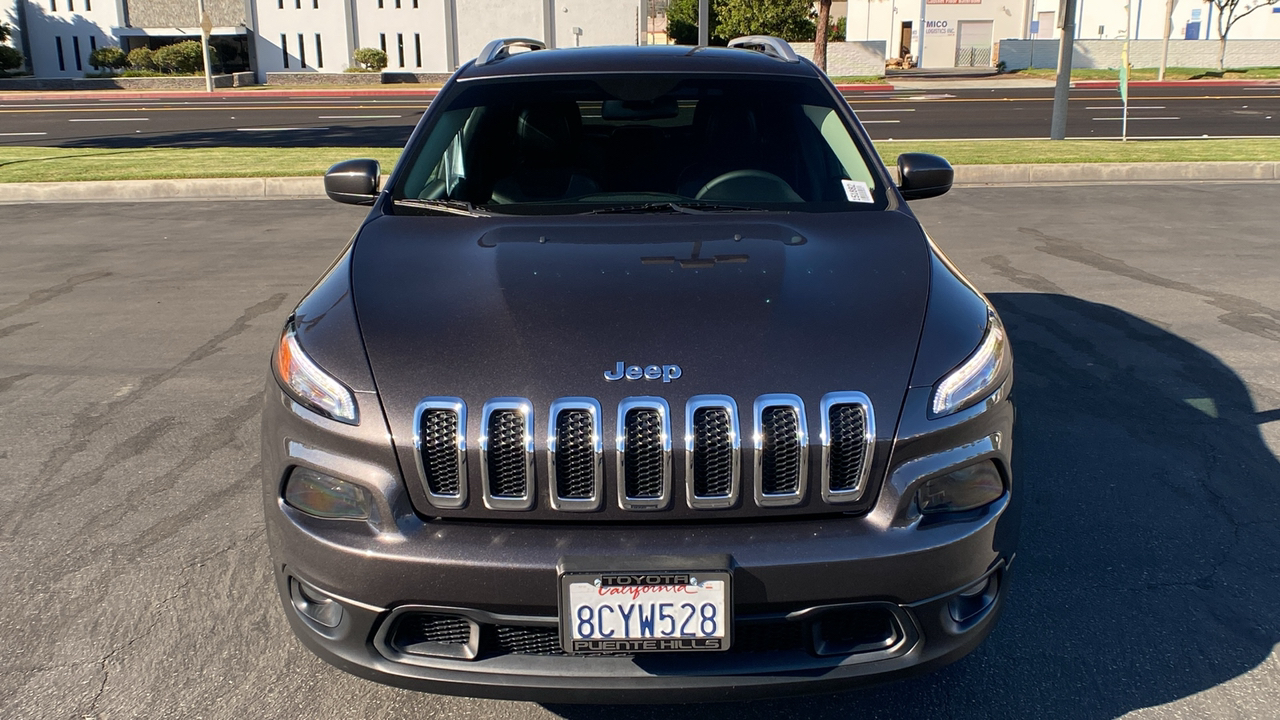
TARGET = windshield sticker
(857,191)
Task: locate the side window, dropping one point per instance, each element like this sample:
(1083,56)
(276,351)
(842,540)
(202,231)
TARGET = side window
(833,131)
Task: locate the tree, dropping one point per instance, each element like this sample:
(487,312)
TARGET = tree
(373,59)
(1230,12)
(821,33)
(183,58)
(108,56)
(682,22)
(5,32)
(10,58)
(791,20)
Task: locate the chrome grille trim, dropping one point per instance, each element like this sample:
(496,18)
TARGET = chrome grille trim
(691,408)
(459,407)
(567,504)
(621,440)
(507,502)
(761,404)
(830,401)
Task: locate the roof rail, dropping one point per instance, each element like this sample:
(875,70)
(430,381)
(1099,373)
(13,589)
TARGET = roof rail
(767,44)
(500,48)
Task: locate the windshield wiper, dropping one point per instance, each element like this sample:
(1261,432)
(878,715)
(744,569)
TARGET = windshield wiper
(450,207)
(688,208)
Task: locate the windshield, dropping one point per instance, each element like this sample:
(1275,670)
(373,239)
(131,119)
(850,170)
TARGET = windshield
(639,143)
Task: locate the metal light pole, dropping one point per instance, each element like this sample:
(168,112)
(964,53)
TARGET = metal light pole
(920,52)
(1066,51)
(1168,30)
(704,22)
(206,27)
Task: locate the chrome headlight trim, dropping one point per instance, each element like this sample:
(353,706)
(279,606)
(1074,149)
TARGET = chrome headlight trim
(307,383)
(976,377)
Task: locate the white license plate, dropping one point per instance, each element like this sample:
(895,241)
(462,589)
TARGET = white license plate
(645,612)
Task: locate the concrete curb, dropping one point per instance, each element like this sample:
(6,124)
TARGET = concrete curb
(1107,84)
(313,187)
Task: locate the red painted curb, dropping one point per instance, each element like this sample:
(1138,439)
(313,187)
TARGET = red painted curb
(1173,83)
(217,94)
(854,87)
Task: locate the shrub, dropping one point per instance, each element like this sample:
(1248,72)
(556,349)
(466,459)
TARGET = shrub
(108,56)
(141,72)
(10,58)
(141,59)
(373,59)
(182,58)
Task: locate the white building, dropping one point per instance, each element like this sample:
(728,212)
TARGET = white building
(964,32)
(427,36)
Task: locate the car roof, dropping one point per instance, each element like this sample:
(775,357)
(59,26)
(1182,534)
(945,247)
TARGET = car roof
(646,59)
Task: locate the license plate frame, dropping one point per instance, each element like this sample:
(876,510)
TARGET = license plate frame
(697,588)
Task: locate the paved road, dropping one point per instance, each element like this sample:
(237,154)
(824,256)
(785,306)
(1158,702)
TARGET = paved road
(385,122)
(133,350)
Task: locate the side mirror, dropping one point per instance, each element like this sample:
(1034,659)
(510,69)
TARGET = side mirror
(922,175)
(354,182)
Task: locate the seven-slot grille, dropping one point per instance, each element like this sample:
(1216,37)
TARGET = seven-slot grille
(712,451)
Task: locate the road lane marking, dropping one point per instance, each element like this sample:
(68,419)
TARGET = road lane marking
(1140,118)
(878,122)
(4,111)
(21,134)
(109,120)
(1121,107)
(356,117)
(888,110)
(278,129)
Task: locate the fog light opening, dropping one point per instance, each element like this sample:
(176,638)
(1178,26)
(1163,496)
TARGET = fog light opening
(314,604)
(324,496)
(968,488)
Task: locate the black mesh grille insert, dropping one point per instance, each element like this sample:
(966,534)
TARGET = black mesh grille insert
(506,454)
(523,640)
(642,458)
(848,451)
(780,464)
(418,628)
(712,453)
(439,434)
(575,455)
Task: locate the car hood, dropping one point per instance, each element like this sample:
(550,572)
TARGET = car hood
(541,308)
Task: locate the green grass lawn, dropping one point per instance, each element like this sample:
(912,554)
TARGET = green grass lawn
(34,164)
(857,79)
(1173,73)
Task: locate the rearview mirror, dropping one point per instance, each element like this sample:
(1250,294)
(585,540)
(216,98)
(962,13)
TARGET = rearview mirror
(354,182)
(922,175)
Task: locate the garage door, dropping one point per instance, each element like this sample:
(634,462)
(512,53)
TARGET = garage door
(973,46)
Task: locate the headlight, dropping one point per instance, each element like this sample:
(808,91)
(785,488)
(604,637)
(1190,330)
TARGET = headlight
(305,382)
(976,376)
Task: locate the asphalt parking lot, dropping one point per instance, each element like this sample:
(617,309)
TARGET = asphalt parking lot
(1146,325)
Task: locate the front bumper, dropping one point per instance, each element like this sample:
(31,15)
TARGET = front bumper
(943,583)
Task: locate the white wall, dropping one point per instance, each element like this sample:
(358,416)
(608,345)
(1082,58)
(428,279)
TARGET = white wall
(480,21)
(603,22)
(74,20)
(394,24)
(1148,20)
(1017,54)
(308,18)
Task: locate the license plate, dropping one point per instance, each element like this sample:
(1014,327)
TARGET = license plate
(636,612)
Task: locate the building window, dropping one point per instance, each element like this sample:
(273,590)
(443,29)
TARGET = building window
(54,5)
(280,4)
(93,47)
(315,4)
(297,4)
(415,4)
(382,41)
(71,5)
(284,49)
(400,47)
(62,64)
(319,53)
(87,6)
(75,45)
(302,52)
(397,4)
(417,50)
(379,4)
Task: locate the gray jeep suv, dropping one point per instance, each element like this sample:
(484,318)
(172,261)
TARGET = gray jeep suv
(640,383)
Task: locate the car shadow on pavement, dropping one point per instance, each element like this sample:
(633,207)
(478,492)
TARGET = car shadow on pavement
(1149,565)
